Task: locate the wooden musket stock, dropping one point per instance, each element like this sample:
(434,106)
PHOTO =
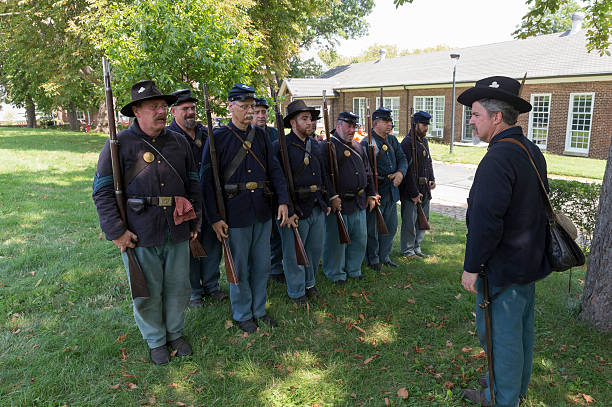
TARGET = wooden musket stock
(138,283)
(230,268)
(333,170)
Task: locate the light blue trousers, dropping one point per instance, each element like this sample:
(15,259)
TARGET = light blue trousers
(251,252)
(379,246)
(410,235)
(204,273)
(311,231)
(161,318)
(512,326)
(342,260)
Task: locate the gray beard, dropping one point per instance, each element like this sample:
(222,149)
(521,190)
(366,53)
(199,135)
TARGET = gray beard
(190,123)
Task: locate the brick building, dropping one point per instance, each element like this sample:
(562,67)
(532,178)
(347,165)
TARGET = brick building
(569,88)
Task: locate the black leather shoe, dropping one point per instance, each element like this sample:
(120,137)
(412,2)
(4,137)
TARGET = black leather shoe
(391,264)
(421,254)
(181,347)
(249,326)
(195,303)
(279,278)
(375,267)
(477,396)
(269,320)
(159,355)
(340,282)
(300,300)
(482,381)
(217,295)
(312,292)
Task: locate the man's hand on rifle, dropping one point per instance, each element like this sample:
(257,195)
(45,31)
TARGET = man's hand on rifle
(432,184)
(417,199)
(126,240)
(336,205)
(396,178)
(372,202)
(468,281)
(293,221)
(283,214)
(221,229)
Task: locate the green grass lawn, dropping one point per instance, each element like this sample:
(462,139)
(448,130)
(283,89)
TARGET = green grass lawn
(557,164)
(69,337)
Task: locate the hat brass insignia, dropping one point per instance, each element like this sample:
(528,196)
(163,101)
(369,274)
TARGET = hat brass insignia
(347,153)
(148,157)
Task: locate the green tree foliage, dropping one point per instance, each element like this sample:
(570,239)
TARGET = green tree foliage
(303,68)
(549,22)
(177,45)
(42,60)
(331,58)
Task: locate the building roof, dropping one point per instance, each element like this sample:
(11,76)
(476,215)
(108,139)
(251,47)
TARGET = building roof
(544,56)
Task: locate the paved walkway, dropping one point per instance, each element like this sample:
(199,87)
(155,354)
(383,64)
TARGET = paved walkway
(453,183)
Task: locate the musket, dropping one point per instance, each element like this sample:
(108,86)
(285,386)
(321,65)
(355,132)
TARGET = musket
(486,302)
(300,252)
(382,104)
(138,283)
(380,221)
(422,219)
(230,268)
(333,170)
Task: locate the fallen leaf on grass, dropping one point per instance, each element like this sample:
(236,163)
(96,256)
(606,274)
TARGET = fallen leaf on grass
(362,317)
(179,403)
(411,300)
(245,335)
(418,350)
(449,344)
(587,398)
(403,393)
(355,295)
(359,329)
(173,385)
(458,296)
(173,353)
(298,339)
(123,355)
(449,385)
(132,386)
(228,324)
(114,386)
(121,338)
(368,360)
(466,349)
(354,395)
(479,355)
(194,371)
(38,282)
(387,401)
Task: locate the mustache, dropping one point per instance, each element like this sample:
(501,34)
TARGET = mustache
(248,116)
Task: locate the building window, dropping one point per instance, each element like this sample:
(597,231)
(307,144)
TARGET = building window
(579,119)
(80,115)
(359,108)
(434,105)
(392,103)
(538,119)
(466,128)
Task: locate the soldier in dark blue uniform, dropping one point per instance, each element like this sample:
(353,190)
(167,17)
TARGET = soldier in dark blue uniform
(391,166)
(506,238)
(260,119)
(413,192)
(204,272)
(160,179)
(250,176)
(310,180)
(355,190)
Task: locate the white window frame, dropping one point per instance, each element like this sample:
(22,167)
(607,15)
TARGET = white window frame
(531,113)
(570,114)
(435,129)
(467,133)
(80,115)
(393,103)
(361,109)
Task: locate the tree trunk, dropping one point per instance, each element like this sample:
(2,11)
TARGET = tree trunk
(102,124)
(30,113)
(72,118)
(597,295)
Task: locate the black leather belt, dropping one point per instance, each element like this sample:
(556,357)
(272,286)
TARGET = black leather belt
(243,186)
(311,188)
(156,200)
(352,195)
(384,177)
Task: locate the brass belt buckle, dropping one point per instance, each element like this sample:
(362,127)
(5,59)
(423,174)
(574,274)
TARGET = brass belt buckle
(313,188)
(361,191)
(251,185)
(164,201)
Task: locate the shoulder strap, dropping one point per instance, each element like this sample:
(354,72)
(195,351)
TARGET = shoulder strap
(242,152)
(549,208)
(161,145)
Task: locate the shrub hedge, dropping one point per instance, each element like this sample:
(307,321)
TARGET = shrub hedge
(579,201)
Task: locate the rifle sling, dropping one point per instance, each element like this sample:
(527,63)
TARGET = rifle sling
(307,154)
(161,145)
(141,164)
(241,154)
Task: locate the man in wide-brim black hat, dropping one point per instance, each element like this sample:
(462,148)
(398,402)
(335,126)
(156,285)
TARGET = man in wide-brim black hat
(506,237)
(163,211)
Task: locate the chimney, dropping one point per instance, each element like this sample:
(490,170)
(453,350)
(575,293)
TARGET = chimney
(383,54)
(577,19)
